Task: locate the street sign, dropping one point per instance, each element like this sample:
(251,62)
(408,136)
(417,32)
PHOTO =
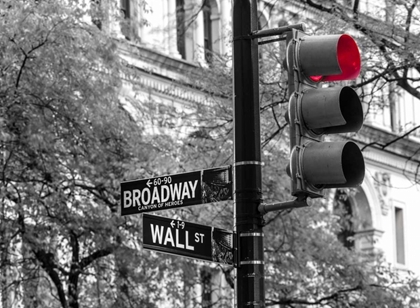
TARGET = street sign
(177,190)
(187,239)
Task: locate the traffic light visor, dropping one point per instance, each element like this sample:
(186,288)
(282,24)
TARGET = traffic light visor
(333,164)
(329,57)
(332,110)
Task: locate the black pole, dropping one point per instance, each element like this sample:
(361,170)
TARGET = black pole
(249,290)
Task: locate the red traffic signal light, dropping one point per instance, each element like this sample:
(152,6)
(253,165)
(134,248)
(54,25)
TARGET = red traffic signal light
(329,57)
(313,112)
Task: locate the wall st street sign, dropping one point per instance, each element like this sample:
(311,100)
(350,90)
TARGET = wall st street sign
(177,190)
(187,239)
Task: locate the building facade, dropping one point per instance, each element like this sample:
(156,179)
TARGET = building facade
(176,36)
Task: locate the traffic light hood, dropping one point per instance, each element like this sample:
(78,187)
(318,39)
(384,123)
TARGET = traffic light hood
(329,57)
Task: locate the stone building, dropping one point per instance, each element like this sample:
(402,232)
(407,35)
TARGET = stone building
(180,35)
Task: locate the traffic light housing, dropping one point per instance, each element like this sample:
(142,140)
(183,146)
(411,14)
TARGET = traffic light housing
(317,111)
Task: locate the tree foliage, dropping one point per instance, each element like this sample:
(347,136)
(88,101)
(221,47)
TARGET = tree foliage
(66,142)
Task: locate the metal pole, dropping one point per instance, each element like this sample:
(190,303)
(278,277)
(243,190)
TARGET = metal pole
(249,289)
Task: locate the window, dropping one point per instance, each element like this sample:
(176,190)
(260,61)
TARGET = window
(180,28)
(96,13)
(206,288)
(410,106)
(208,42)
(211,29)
(125,8)
(344,211)
(399,235)
(262,21)
(125,24)
(348,2)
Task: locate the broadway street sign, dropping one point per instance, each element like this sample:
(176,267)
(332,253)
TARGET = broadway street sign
(187,239)
(177,190)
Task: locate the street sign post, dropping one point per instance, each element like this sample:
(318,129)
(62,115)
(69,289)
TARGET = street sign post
(177,190)
(188,239)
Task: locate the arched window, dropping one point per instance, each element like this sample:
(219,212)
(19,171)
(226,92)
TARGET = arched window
(355,218)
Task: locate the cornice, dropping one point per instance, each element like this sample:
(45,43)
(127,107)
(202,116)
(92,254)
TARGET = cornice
(405,147)
(165,76)
(154,62)
(388,149)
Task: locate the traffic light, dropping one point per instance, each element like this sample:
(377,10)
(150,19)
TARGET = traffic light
(315,111)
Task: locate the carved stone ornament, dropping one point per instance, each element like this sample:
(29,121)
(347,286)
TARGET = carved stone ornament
(383,186)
